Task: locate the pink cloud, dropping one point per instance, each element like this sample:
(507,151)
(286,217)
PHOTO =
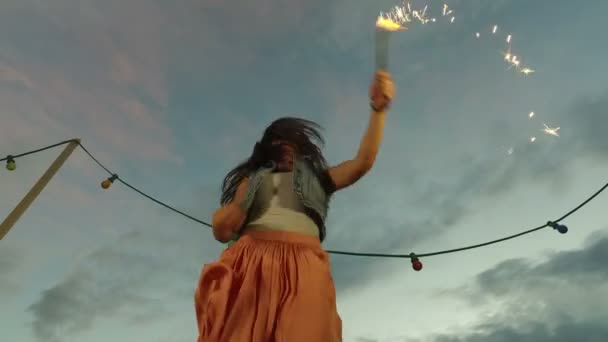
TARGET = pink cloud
(9,74)
(110,53)
(59,103)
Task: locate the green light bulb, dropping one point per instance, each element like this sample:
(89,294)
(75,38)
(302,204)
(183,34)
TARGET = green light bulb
(11,165)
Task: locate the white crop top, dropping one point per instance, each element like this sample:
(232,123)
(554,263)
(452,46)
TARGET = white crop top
(276,206)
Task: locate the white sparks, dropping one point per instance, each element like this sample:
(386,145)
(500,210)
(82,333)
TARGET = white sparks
(532,139)
(405,14)
(531,115)
(527,71)
(452,20)
(477,34)
(551,131)
(508,38)
(510,151)
(494,29)
(446,10)
(421,16)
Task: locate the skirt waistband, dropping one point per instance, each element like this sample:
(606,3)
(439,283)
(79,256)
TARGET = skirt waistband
(282,236)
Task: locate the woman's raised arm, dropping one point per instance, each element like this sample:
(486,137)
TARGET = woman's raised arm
(350,171)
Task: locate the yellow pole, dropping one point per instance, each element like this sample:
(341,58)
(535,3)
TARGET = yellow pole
(27,200)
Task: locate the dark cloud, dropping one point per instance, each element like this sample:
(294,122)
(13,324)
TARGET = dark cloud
(434,200)
(140,275)
(588,264)
(588,120)
(10,258)
(567,331)
(560,299)
(431,206)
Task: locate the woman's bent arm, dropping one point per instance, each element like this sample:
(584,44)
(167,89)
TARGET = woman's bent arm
(229,218)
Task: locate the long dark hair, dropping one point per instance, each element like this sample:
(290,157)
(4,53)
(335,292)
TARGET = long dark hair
(303,134)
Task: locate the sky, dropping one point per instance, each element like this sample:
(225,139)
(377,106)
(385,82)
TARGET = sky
(172,95)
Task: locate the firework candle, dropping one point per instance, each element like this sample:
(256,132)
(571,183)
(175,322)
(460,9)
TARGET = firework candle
(384,27)
(382,43)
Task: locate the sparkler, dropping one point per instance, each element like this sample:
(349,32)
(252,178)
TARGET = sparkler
(400,16)
(396,20)
(404,14)
(384,27)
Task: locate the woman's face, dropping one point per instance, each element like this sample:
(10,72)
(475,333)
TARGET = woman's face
(288,152)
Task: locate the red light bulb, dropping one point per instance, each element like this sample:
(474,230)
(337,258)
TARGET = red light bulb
(416,264)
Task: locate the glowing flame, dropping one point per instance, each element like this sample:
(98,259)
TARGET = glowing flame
(551,131)
(388,24)
(527,71)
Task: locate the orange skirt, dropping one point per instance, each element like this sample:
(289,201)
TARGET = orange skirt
(270,286)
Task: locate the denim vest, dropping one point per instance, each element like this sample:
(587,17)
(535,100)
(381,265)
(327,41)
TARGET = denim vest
(306,185)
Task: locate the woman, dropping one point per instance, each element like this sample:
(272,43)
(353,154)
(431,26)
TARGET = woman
(274,282)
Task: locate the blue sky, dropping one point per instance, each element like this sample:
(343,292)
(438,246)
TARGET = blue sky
(171,95)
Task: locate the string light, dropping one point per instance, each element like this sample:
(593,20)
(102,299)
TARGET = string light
(414,258)
(416,263)
(559,227)
(107,183)
(11,165)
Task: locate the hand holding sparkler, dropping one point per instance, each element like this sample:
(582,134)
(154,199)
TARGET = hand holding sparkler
(381,92)
(382,89)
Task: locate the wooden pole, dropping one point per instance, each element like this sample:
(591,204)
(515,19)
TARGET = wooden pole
(27,200)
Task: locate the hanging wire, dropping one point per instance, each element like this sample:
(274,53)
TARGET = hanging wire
(377,255)
(38,150)
(141,192)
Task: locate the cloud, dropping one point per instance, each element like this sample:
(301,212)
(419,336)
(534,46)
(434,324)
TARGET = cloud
(537,332)
(10,260)
(145,274)
(435,205)
(559,299)
(438,198)
(111,92)
(587,122)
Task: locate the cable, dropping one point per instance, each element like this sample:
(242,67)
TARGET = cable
(141,192)
(548,224)
(412,256)
(38,150)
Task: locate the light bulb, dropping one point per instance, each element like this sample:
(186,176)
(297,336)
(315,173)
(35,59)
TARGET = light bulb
(563,229)
(416,264)
(11,165)
(107,183)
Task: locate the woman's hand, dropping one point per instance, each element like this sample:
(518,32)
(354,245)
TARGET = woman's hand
(228,219)
(382,91)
